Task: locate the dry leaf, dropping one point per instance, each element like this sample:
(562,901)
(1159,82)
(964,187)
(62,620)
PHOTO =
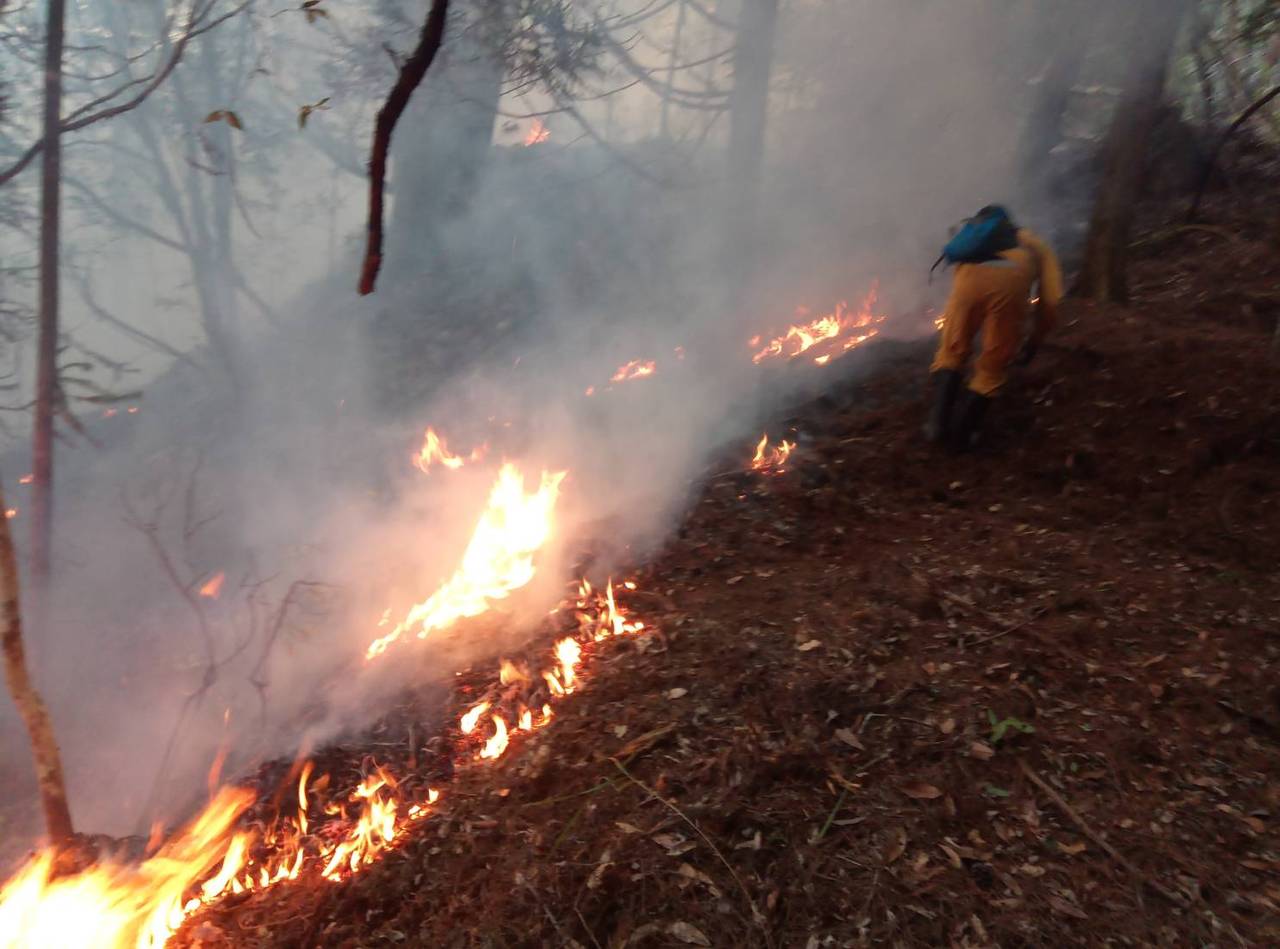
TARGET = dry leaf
(919,791)
(948,726)
(1060,905)
(897,846)
(677,693)
(1073,849)
(982,751)
(688,934)
(627,828)
(849,738)
(593,881)
(693,873)
(810,645)
(1032,870)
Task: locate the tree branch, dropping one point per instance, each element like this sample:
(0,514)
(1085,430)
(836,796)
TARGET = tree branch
(411,74)
(1212,163)
(82,117)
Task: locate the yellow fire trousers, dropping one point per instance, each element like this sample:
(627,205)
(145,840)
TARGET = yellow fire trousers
(994,297)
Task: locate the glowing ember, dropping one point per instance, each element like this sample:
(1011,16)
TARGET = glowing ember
(538,133)
(848,328)
(26,479)
(10,513)
(636,369)
(497,561)
(213,586)
(771,460)
(435,451)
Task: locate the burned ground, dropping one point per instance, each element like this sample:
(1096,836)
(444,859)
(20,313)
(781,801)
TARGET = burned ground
(1024,697)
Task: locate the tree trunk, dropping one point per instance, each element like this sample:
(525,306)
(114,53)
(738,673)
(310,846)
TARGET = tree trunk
(1066,28)
(664,115)
(1103,275)
(46,401)
(748,118)
(44,747)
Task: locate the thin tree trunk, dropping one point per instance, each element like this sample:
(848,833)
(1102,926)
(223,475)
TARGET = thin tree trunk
(1104,274)
(47,353)
(44,747)
(1067,28)
(748,118)
(664,116)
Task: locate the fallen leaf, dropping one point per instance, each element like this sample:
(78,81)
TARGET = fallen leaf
(897,846)
(688,934)
(1255,864)
(693,873)
(919,791)
(982,751)
(847,736)
(1032,870)
(677,693)
(732,580)
(810,645)
(593,881)
(627,828)
(1060,905)
(1073,849)
(948,726)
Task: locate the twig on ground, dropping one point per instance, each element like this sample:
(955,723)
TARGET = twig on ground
(1088,831)
(756,915)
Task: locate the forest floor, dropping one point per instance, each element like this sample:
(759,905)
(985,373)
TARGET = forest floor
(1023,697)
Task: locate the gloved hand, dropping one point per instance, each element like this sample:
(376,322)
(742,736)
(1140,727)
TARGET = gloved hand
(1026,354)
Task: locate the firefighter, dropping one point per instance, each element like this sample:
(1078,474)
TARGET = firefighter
(997,266)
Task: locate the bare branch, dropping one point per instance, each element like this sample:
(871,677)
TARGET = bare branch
(81,118)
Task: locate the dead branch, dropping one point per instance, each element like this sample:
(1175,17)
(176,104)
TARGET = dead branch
(1212,163)
(44,745)
(411,75)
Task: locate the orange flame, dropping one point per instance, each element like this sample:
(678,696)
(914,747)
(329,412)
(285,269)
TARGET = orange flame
(213,586)
(771,460)
(841,324)
(498,560)
(434,450)
(636,369)
(538,133)
(141,905)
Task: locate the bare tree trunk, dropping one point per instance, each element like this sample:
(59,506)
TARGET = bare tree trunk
(1066,28)
(1104,274)
(748,118)
(44,747)
(664,116)
(47,354)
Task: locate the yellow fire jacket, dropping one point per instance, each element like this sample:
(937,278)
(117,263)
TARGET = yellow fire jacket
(995,297)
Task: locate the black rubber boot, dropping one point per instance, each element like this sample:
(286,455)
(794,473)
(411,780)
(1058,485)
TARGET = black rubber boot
(968,426)
(946,386)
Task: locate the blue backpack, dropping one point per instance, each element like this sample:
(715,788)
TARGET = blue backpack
(981,238)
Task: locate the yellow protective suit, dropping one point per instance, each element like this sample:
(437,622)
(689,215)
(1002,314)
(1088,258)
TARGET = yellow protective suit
(995,298)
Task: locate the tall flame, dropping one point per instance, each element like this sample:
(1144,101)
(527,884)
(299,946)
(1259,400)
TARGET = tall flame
(498,560)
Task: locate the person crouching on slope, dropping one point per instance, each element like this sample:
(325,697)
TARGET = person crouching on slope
(998,264)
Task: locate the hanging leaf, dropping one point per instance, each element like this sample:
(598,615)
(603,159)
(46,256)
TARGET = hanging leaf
(305,111)
(224,115)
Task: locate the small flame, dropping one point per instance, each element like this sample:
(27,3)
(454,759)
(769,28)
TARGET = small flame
(509,672)
(213,586)
(435,451)
(538,133)
(467,723)
(495,746)
(26,479)
(801,337)
(636,369)
(771,460)
(568,652)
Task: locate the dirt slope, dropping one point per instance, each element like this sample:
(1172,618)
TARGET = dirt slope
(1027,697)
